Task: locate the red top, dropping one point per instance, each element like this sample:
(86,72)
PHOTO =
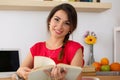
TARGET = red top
(39,49)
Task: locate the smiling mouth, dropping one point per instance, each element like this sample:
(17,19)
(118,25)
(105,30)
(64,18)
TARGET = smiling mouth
(58,32)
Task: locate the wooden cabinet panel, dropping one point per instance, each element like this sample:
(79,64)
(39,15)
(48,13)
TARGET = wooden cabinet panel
(37,5)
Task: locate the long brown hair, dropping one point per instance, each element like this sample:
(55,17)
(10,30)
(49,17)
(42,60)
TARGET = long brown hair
(72,17)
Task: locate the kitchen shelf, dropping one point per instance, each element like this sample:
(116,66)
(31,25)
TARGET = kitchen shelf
(37,5)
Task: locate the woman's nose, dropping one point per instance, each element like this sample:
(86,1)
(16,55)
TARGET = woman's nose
(60,25)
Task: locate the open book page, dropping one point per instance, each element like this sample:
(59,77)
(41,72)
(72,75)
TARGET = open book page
(43,63)
(39,74)
(40,61)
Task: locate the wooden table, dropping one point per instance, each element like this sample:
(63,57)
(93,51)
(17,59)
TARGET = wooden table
(5,78)
(109,77)
(88,75)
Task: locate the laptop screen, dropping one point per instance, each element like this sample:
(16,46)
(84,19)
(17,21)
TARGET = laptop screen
(9,60)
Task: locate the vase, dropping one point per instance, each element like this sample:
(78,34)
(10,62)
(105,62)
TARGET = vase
(91,59)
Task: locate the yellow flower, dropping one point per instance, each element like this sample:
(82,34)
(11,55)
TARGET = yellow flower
(90,39)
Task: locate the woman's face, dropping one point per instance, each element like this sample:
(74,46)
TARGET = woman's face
(59,24)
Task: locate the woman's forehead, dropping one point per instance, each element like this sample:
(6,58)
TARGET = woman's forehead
(61,14)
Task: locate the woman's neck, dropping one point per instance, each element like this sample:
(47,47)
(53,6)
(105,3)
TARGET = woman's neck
(52,43)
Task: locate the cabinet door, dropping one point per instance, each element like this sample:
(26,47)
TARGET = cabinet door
(117,44)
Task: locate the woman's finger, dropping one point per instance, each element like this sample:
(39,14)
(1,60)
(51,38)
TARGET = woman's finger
(53,71)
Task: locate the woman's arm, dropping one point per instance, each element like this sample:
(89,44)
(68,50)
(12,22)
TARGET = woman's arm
(28,62)
(78,61)
(25,67)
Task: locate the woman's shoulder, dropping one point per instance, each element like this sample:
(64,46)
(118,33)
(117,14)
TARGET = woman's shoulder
(39,43)
(71,42)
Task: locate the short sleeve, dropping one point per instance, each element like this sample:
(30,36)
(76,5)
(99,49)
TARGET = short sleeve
(71,49)
(36,49)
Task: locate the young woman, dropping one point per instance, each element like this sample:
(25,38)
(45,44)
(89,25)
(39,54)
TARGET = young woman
(61,22)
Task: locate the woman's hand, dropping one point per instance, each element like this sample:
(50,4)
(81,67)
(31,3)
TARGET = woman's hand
(57,73)
(23,72)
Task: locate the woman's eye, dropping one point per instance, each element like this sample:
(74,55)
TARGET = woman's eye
(56,19)
(67,23)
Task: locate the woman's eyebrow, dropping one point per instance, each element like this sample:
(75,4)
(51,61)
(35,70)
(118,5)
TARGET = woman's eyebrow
(57,17)
(60,18)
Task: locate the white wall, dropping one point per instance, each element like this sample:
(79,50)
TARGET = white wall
(21,29)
